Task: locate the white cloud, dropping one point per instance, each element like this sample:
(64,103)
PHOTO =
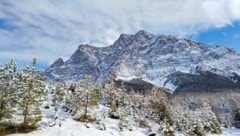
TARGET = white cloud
(49,29)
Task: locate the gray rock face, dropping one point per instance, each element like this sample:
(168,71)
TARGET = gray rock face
(59,62)
(152,58)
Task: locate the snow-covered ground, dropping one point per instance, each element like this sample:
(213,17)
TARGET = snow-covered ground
(72,128)
(228,132)
(65,125)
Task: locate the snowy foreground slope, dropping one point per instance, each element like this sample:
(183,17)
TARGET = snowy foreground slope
(73,128)
(69,127)
(65,125)
(164,61)
(229,132)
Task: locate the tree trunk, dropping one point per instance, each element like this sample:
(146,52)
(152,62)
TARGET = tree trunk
(27,107)
(1,110)
(86,105)
(25,115)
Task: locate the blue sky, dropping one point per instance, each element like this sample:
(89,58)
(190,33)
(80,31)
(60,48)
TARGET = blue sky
(50,29)
(228,36)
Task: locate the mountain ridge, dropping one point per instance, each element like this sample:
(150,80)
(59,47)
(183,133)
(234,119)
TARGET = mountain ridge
(152,58)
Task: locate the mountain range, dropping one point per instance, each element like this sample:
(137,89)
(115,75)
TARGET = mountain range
(177,64)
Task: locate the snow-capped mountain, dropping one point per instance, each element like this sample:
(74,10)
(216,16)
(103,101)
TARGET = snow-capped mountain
(164,61)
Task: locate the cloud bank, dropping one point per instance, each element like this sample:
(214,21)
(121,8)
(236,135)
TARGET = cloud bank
(48,29)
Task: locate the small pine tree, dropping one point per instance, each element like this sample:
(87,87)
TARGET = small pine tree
(123,123)
(114,105)
(168,133)
(235,107)
(236,117)
(114,114)
(86,95)
(215,127)
(198,130)
(143,123)
(95,96)
(71,100)
(117,104)
(8,89)
(31,93)
(168,130)
(91,94)
(59,93)
(161,111)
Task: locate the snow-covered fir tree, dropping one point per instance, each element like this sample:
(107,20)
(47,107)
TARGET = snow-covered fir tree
(82,97)
(31,94)
(59,94)
(9,83)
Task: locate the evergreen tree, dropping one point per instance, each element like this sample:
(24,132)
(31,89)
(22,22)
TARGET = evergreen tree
(31,93)
(71,100)
(91,93)
(198,130)
(115,110)
(86,95)
(95,96)
(59,93)
(235,107)
(160,107)
(8,89)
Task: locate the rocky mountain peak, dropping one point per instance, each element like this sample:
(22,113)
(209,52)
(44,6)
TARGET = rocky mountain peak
(154,59)
(59,62)
(86,47)
(142,37)
(124,40)
(143,33)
